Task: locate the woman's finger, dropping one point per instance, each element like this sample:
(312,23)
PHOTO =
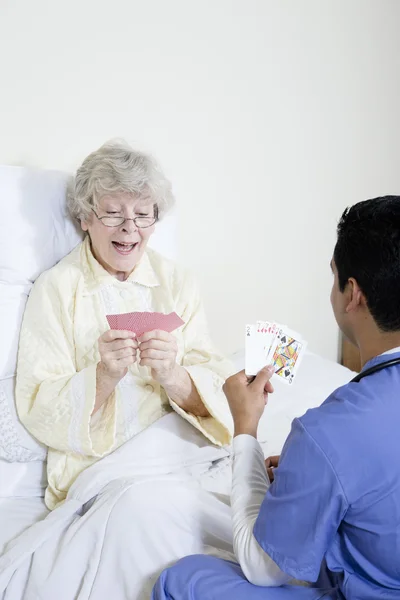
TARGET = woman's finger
(157,334)
(126,362)
(113,334)
(157,345)
(155,354)
(123,353)
(152,363)
(120,344)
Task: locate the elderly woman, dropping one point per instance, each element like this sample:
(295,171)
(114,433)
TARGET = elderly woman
(83,389)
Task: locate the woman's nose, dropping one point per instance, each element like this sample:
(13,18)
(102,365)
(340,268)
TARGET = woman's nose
(129,226)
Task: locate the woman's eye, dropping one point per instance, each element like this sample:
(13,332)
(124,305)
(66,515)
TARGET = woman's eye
(112,212)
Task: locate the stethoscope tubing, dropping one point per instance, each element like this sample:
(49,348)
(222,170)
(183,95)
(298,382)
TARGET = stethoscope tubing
(375,369)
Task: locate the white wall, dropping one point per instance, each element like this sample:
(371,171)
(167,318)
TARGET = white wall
(270,117)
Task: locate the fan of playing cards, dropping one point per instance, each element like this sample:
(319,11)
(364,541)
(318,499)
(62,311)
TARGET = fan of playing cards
(273,344)
(142,322)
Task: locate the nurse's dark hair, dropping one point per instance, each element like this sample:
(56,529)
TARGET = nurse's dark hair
(368,249)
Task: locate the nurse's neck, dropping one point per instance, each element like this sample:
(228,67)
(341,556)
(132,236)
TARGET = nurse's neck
(373,342)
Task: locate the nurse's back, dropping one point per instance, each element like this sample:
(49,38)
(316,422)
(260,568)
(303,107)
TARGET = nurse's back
(357,431)
(335,500)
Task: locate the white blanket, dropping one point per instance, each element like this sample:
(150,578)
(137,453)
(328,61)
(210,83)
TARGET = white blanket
(125,519)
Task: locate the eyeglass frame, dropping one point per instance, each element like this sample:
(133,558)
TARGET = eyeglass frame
(128,219)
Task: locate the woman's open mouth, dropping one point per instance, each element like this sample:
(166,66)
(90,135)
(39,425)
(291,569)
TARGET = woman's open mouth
(123,248)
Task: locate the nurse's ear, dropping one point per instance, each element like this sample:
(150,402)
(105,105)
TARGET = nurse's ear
(355,299)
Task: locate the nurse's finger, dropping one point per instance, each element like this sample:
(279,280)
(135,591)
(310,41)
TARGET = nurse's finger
(270,473)
(262,379)
(269,388)
(272,461)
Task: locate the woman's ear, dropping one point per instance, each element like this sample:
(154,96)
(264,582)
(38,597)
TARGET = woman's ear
(86,220)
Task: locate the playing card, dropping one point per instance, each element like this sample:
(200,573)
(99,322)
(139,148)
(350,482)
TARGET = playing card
(171,322)
(271,343)
(113,321)
(272,333)
(266,334)
(254,350)
(262,326)
(286,354)
(142,322)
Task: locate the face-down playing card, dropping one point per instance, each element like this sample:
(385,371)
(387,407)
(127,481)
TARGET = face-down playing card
(142,322)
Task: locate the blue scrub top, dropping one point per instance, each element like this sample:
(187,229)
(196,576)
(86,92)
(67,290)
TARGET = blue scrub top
(336,494)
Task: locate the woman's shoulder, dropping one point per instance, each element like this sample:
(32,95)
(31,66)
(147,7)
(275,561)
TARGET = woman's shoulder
(65,274)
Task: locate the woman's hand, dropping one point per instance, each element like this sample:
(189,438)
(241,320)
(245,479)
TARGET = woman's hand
(158,351)
(247,399)
(271,463)
(117,352)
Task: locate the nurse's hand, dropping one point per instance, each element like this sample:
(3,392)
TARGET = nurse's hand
(247,399)
(271,463)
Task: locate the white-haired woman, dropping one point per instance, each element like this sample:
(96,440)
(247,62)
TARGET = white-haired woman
(83,389)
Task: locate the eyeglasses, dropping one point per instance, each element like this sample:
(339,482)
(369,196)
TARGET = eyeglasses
(140,222)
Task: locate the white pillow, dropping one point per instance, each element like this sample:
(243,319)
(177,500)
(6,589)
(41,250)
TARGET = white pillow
(22,458)
(35,233)
(16,444)
(12,305)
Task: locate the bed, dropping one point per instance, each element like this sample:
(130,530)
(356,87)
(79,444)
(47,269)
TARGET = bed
(34,234)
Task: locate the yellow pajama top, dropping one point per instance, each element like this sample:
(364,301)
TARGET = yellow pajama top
(58,354)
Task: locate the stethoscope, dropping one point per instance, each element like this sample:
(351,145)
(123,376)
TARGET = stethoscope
(375,369)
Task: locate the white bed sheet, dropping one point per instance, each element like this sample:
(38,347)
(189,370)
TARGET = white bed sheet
(17,514)
(22,479)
